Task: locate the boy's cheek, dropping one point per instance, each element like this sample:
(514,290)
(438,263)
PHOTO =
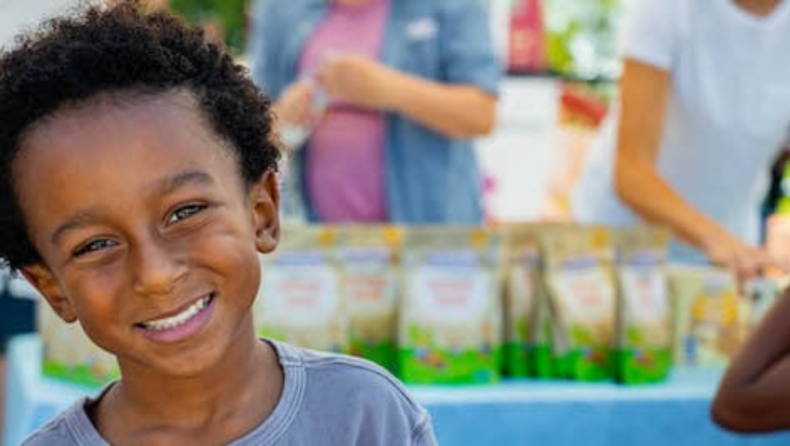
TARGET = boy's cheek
(224,250)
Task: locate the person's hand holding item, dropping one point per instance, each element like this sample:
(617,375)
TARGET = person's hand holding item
(361,81)
(724,249)
(296,105)
(297,112)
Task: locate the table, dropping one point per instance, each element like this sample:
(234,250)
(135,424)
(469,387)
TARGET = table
(562,413)
(523,412)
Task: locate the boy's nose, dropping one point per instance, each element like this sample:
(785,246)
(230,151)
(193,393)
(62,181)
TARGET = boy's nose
(158,269)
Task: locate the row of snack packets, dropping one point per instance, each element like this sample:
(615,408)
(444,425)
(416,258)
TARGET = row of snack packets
(458,304)
(586,303)
(590,303)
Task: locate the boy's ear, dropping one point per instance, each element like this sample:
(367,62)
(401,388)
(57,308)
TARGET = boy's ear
(42,279)
(265,203)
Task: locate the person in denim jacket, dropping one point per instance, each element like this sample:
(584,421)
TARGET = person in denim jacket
(392,91)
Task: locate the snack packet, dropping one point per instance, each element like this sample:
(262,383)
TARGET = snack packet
(450,318)
(580,283)
(643,331)
(369,258)
(300,300)
(708,315)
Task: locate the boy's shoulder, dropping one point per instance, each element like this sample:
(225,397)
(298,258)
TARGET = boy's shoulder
(350,394)
(343,373)
(68,428)
(352,400)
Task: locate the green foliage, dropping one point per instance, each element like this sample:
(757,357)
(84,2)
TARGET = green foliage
(582,37)
(229,14)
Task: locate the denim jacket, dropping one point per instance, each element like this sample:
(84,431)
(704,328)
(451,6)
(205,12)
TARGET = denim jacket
(430,178)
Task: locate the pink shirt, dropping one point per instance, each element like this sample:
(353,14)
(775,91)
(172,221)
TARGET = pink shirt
(345,162)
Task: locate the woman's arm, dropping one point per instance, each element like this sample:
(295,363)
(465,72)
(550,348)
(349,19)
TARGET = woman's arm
(754,395)
(644,91)
(459,111)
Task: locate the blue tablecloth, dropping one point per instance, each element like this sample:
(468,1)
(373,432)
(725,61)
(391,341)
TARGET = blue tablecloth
(511,413)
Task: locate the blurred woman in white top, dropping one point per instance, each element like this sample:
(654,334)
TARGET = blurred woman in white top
(704,108)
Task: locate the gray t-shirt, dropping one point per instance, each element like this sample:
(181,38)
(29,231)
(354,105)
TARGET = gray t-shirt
(327,399)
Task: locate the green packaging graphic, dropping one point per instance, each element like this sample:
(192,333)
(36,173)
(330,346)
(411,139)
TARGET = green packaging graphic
(638,366)
(450,328)
(425,362)
(518,358)
(384,353)
(89,375)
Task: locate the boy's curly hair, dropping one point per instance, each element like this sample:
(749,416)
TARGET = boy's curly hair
(121,48)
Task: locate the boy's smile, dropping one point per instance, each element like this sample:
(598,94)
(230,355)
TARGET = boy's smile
(149,235)
(181,324)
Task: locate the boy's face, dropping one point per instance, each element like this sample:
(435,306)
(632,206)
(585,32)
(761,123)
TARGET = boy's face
(149,236)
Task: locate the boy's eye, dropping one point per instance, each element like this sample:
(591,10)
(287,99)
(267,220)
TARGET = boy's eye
(185,212)
(93,246)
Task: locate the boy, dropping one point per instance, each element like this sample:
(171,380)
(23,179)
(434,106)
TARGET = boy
(137,187)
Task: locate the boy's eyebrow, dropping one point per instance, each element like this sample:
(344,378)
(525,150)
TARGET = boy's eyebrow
(169,184)
(70,224)
(163,187)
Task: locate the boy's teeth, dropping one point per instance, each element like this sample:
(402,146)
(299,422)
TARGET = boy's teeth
(178,319)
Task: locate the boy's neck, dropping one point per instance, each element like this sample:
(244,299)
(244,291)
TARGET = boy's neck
(223,404)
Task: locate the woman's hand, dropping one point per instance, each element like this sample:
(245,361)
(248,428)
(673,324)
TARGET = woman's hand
(358,80)
(295,106)
(745,262)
